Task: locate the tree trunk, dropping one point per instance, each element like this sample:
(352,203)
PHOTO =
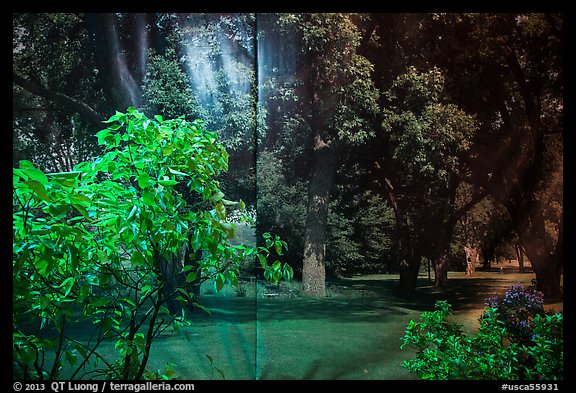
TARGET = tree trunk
(531,229)
(313,264)
(408,260)
(519,257)
(471,259)
(441,271)
(172,277)
(409,268)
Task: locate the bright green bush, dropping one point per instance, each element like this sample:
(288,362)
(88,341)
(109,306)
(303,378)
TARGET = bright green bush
(100,250)
(444,351)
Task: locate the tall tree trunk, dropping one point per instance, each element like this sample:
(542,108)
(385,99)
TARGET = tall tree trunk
(172,277)
(526,210)
(531,229)
(527,214)
(313,269)
(408,258)
(409,269)
(445,234)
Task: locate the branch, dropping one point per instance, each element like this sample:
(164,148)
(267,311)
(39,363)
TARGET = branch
(477,196)
(70,103)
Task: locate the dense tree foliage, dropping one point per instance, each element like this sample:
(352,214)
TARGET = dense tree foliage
(369,142)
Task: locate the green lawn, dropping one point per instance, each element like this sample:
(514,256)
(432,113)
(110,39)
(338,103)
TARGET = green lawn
(352,334)
(290,338)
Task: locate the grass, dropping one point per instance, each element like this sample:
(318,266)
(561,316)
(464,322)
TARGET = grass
(353,333)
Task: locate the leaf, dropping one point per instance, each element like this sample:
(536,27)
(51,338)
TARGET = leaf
(137,259)
(175,172)
(139,340)
(118,116)
(217,196)
(25,164)
(232,277)
(81,199)
(168,182)
(143,180)
(67,285)
(219,282)
(148,197)
(102,256)
(38,189)
(28,354)
(262,259)
(132,212)
(167,150)
(101,135)
(71,357)
(287,272)
(191,276)
(212,246)
(36,174)
(42,267)
(65,175)
(278,247)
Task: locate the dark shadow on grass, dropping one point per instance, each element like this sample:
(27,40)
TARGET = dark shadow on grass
(341,309)
(356,300)
(462,293)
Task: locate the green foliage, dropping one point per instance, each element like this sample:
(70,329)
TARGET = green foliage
(281,204)
(444,351)
(341,92)
(54,50)
(359,229)
(101,244)
(166,88)
(427,134)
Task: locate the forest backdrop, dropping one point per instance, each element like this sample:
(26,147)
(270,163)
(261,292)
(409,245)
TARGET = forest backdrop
(368,142)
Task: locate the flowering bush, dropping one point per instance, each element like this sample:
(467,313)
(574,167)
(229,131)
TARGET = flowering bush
(517,309)
(516,340)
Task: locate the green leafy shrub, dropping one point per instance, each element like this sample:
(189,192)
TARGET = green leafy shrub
(499,350)
(110,248)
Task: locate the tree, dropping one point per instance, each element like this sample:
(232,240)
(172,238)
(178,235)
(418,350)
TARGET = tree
(484,227)
(100,245)
(425,137)
(57,105)
(198,65)
(508,69)
(338,101)
(150,61)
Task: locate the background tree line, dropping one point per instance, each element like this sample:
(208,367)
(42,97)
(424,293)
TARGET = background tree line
(369,142)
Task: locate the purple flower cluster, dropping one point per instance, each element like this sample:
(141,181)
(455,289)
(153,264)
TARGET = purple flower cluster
(516,309)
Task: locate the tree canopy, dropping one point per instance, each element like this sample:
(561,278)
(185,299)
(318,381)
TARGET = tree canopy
(354,135)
